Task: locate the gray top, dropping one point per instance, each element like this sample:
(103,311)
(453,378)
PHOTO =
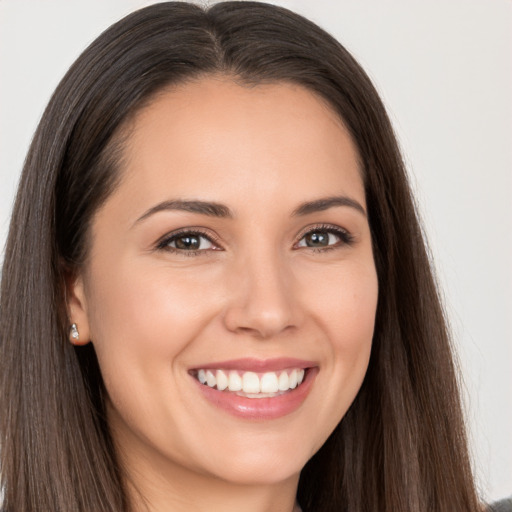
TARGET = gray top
(502,506)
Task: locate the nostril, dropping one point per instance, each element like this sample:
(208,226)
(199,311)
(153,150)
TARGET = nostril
(260,323)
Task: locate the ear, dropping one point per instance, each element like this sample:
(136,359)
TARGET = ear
(76,304)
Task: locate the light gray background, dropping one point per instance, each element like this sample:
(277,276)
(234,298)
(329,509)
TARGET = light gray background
(444,70)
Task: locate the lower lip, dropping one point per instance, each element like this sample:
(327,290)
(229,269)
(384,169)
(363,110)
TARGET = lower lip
(260,408)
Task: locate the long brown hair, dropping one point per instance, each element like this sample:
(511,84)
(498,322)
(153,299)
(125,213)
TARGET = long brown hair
(400,447)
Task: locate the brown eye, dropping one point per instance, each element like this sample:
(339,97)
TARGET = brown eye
(187,242)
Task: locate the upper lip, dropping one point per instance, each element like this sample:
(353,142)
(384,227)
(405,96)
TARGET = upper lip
(257,365)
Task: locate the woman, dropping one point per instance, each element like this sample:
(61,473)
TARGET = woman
(216,293)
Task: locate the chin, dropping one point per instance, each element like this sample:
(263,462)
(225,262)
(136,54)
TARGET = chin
(268,474)
(262,467)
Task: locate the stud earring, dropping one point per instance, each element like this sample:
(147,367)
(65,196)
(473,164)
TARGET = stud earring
(75,336)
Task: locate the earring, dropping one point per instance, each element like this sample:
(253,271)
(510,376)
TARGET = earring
(75,336)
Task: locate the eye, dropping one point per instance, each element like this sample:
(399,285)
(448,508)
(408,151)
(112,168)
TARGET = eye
(187,242)
(325,237)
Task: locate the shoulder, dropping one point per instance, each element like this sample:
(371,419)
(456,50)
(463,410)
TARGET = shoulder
(502,506)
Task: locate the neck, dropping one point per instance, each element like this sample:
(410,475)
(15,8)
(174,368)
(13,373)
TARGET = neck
(203,494)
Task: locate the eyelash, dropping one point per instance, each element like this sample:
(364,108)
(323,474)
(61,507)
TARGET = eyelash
(163,244)
(345,239)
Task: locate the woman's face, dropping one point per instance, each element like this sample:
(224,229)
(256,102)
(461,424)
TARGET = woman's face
(236,249)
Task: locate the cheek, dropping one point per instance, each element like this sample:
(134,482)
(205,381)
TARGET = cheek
(354,321)
(144,321)
(345,303)
(345,306)
(142,317)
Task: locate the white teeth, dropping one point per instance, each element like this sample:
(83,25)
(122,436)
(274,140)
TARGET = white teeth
(284,382)
(235,381)
(222,380)
(258,395)
(250,383)
(293,379)
(210,378)
(269,383)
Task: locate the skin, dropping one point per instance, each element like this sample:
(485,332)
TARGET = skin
(257,291)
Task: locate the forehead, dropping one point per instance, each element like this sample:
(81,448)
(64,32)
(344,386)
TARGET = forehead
(222,140)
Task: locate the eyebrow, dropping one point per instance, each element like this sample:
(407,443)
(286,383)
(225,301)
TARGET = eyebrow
(325,203)
(201,207)
(212,209)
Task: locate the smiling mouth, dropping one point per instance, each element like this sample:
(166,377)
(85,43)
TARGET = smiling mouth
(250,384)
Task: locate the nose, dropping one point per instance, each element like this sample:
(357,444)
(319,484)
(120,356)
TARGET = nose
(262,300)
